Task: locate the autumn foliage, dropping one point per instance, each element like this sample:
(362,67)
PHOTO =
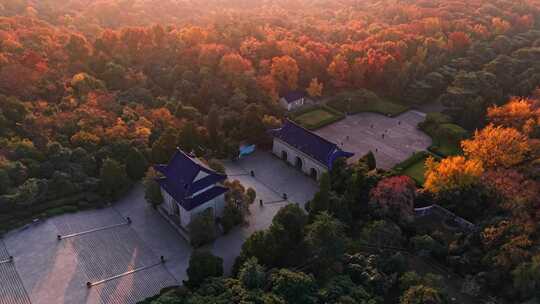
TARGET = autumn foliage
(452,173)
(395,197)
(497,146)
(519,113)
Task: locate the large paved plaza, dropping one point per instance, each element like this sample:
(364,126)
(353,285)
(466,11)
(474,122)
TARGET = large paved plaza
(48,271)
(392,140)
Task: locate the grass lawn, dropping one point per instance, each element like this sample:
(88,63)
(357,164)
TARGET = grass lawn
(445,147)
(317,117)
(414,166)
(365,101)
(314,117)
(416,171)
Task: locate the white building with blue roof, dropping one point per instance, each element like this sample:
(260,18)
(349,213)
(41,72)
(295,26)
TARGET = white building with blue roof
(305,150)
(293,100)
(189,187)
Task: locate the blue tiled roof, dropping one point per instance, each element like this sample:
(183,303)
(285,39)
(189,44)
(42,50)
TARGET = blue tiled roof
(179,181)
(322,150)
(293,96)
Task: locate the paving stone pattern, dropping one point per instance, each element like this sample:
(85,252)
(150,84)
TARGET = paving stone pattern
(11,287)
(392,140)
(110,252)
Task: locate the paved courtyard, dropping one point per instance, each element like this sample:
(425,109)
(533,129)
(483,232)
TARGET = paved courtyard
(363,132)
(48,271)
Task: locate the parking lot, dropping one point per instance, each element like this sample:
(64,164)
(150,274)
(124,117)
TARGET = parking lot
(121,260)
(392,140)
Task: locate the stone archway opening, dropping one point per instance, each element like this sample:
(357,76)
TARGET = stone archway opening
(313,173)
(299,164)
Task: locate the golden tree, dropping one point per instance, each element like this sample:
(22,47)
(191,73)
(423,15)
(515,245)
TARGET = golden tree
(451,173)
(497,146)
(518,113)
(315,88)
(285,71)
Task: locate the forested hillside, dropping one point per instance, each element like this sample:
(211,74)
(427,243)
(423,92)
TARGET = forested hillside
(93,91)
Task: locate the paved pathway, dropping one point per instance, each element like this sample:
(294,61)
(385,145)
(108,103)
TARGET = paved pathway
(53,271)
(11,287)
(365,133)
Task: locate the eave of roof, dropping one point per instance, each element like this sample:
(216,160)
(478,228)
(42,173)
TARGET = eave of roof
(179,180)
(315,146)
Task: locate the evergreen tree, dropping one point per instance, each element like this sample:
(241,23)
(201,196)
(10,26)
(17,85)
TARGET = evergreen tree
(252,274)
(213,126)
(164,147)
(189,138)
(369,160)
(113,179)
(203,265)
(136,164)
(152,190)
(321,200)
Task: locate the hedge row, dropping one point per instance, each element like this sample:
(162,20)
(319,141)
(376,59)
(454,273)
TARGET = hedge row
(12,216)
(416,157)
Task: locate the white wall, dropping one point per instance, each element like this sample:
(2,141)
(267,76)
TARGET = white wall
(292,153)
(293,105)
(217,204)
(168,201)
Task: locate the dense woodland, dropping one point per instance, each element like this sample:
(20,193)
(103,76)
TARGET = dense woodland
(92,92)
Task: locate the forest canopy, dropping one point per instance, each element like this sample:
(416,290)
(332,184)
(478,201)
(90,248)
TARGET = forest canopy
(94,92)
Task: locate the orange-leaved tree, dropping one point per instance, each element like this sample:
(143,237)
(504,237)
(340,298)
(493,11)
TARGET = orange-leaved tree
(497,146)
(518,113)
(452,173)
(315,88)
(285,72)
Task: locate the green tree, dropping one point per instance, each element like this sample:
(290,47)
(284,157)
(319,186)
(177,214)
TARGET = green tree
(426,244)
(369,160)
(293,219)
(257,245)
(12,109)
(294,287)
(202,228)
(252,275)
(136,164)
(152,189)
(321,200)
(326,238)
(237,204)
(213,126)
(165,146)
(232,216)
(5,182)
(188,138)
(421,294)
(113,179)
(251,195)
(203,265)
(83,158)
(527,278)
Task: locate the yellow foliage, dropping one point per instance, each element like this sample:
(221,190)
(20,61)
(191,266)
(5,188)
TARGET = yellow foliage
(497,146)
(85,139)
(315,88)
(519,114)
(451,173)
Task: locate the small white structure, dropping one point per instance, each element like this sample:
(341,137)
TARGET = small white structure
(189,187)
(293,100)
(305,150)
